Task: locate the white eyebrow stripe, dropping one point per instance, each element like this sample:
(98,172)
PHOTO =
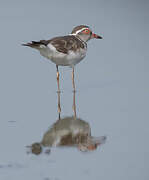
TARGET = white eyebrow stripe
(79,31)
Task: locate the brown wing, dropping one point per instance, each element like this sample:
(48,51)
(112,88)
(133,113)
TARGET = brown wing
(62,44)
(66,43)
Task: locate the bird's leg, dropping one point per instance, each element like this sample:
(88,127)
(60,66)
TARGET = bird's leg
(74,104)
(59,106)
(58,92)
(73,83)
(57,75)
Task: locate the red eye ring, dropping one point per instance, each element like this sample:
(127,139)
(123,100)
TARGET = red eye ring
(86,31)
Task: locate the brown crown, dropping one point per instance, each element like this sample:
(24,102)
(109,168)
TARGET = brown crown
(78,28)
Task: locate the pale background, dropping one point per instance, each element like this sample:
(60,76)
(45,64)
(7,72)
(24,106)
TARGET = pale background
(112,89)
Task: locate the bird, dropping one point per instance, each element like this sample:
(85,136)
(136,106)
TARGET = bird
(66,50)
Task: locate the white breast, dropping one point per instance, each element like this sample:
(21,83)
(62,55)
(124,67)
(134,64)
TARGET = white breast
(70,59)
(75,57)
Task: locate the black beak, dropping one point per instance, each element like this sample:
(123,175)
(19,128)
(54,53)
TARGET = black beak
(96,36)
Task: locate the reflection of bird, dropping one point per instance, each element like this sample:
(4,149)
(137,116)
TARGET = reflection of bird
(69,131)
(66,50)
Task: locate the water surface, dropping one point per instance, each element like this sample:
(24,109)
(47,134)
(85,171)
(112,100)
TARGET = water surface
(111,82)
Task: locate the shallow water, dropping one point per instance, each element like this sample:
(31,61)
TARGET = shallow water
(111,82)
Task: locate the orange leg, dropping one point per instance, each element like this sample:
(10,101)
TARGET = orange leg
(59,106)
(73,83)
(74,105)
(57,74)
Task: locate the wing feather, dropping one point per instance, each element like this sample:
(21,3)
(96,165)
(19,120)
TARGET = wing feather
(62,44)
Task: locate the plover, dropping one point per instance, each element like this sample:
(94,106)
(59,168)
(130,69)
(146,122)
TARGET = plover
(66,50)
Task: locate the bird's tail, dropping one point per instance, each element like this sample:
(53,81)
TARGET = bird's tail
(36,44)
(99,140)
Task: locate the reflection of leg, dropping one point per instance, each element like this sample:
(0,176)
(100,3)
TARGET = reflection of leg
(74,104)
(73,83)
(57,74)
(59,106)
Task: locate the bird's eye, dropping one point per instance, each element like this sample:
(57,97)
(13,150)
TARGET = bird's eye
(86,31)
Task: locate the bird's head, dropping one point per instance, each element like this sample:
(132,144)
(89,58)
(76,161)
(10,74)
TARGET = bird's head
(84,33)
